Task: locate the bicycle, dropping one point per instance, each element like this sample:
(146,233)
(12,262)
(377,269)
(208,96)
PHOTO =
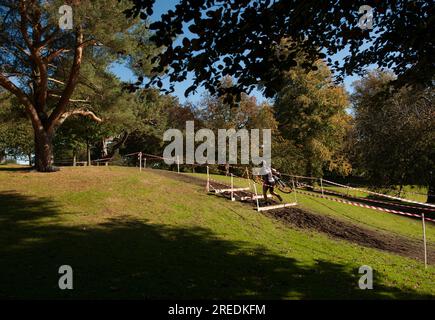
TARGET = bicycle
(280,184)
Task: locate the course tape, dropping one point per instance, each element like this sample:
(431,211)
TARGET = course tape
(381,194)
(373,200)
(364,205)
(301,177)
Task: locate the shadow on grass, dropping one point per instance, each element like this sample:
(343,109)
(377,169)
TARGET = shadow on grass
(127,258)
(15,168)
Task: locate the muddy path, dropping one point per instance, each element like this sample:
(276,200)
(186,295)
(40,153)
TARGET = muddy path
(334,228)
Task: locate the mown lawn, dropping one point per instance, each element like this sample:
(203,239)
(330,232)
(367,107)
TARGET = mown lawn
(146,235)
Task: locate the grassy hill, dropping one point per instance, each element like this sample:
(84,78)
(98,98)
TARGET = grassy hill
(153,235)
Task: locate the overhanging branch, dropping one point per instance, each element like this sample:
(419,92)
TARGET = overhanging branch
(70,100)
(81,112)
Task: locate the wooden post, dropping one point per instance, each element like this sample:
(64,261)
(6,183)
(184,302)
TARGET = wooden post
(145,162)
(249,180)
(256,196)
(294,189)
(232,187)
(74,160)
(89,155)
(207,187)
(178,164)
(140,161)
(321,185)
(424,241)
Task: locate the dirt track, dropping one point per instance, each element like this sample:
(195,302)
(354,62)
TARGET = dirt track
(296,217)
(347,231)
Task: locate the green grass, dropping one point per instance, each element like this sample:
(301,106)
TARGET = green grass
(350,192)
(416,193)
(147,235)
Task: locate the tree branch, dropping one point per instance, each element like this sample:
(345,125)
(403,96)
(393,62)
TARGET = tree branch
(55,54)
(56,81)
(23,98)
(82,112)
(72,81)
(70,100)
(49,39)
(42,74)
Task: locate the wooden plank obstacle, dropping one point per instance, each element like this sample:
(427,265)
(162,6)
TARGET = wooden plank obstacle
(276,206)
(254,196)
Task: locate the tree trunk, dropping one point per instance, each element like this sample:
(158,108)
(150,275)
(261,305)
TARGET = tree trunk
(105,152)
(431,190)
(29,156)
(2,156)
(44,151)
(309,168)
(88,149)
(400,190)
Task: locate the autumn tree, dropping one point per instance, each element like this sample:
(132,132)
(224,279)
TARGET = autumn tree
(312,120)
(214,112)
(41,64)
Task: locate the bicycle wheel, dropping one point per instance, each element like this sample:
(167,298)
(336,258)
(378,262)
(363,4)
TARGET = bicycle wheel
(283,187)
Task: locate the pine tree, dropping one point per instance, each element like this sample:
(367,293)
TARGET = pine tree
(41,64)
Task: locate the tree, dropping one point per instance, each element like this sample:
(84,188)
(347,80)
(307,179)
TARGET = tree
(311,115)
(215,113)
(394,134)
(16,137)
(243,39)
(41,64)
(76,135)
(154,113)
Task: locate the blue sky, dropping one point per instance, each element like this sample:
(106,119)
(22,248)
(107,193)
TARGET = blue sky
(162,6)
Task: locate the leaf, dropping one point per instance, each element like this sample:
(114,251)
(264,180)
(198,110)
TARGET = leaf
(186,43)
(192,88)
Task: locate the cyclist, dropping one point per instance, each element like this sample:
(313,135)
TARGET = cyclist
(267,174)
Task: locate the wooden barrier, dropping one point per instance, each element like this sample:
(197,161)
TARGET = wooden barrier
(276,206)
